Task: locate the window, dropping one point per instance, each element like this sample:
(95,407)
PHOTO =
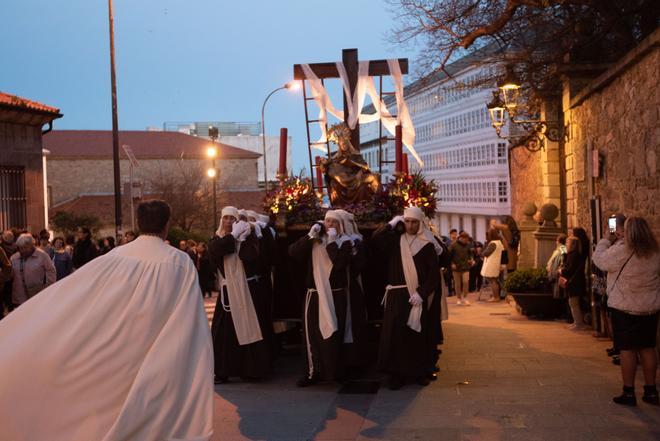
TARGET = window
(502,191)
(13,200)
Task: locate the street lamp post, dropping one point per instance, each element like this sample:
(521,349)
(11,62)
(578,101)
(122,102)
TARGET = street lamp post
(115,125)
(291,85)
(212,153)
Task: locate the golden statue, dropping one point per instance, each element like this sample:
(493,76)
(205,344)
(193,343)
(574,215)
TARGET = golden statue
(348,177)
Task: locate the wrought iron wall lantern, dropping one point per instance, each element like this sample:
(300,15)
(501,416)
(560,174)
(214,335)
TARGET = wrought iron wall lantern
(530,132)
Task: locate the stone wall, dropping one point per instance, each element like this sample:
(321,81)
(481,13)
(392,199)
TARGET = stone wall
(68,178)
(617,115)
(621,120)
(20,145)
(525,177)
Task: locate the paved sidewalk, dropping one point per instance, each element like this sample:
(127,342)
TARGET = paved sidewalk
(502,377)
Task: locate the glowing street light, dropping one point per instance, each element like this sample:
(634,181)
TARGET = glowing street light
(212,152)
(291,85)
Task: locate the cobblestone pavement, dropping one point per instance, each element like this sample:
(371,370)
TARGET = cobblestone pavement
(503,377)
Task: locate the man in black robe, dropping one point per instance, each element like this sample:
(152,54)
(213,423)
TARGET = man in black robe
(267,258)
(239,321)
(354,347)
(412,276)
(325,253)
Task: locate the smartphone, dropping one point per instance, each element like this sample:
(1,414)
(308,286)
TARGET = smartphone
(611,224)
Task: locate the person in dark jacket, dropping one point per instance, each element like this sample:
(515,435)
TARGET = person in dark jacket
(476,279)
(61,259)
(461,261)
(573,271)
(204,270)
(9,247)
(85,250)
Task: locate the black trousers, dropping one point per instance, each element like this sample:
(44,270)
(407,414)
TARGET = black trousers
(5,298)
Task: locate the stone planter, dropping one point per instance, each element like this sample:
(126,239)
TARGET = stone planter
(540,304)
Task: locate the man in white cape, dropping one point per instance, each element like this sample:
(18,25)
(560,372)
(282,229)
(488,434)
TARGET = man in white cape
(119,350)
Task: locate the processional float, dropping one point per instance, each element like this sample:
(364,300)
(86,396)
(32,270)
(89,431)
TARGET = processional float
(342,173)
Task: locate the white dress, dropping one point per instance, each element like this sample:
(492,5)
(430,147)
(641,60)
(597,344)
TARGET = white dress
(119,350)
(492,263)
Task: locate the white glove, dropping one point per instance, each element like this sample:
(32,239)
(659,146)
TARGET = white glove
(395,220)
(245,235)
(332,234)
(257,229)
(314,231)
(415,300)
(239,228)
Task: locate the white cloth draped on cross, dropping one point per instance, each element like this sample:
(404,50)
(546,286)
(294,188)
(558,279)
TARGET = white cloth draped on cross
(365,86)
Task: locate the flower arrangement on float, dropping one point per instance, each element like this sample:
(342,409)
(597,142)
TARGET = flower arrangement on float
(412,191)
(296,198)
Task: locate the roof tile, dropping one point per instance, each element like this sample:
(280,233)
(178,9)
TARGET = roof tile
(8,100)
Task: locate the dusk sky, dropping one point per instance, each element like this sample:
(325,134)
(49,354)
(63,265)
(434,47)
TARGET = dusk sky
(193,60)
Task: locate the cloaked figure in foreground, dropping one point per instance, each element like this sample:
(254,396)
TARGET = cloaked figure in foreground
(118,350)
(412,277)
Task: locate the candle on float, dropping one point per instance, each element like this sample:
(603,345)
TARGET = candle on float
(282,171)
(319,174)
(398,149)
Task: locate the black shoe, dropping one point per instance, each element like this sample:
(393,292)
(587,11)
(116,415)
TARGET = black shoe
(626,399)
(220,380)
(612,352)
(651,395)
(616,360)
(432,376)
(422,381)
(306,381)
(395,382)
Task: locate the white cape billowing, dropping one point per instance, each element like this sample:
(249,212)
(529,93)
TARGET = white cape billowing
(119,350)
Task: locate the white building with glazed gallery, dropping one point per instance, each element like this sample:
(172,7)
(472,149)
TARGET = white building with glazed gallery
(458,146)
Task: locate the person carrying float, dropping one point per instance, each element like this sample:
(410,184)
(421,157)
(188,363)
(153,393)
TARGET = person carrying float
(239,324)
(412,277)
(353,348)
(325,253)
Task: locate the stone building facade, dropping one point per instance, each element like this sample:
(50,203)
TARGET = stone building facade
(80,167)
(21,162)
(80,161)
(615,134)
(610,149)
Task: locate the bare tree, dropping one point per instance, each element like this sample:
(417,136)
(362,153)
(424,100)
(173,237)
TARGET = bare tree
(187,191)
(539,37)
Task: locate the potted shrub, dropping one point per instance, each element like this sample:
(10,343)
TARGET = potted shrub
(530,289)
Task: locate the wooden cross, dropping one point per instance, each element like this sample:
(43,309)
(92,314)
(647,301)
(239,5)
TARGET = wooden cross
(351,64)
